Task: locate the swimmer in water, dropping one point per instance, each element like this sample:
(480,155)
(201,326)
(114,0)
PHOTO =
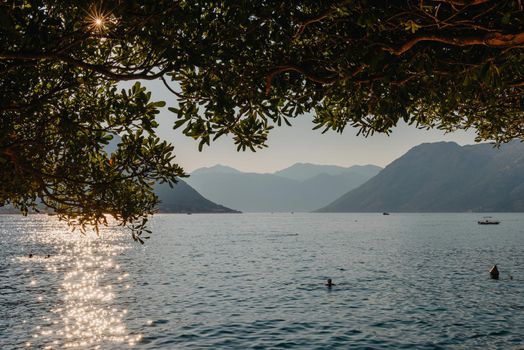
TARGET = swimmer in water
(330,283)
(30,255)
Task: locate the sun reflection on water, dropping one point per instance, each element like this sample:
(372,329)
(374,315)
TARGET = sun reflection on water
(84,313)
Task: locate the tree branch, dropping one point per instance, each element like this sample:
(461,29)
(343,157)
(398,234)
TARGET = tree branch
(170,88)
(518,83)
(294,68)
(311,20)
(497,40)
(98,68)
(464,3)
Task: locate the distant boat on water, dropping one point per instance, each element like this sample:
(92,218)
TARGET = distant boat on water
(385,213)
(488,221)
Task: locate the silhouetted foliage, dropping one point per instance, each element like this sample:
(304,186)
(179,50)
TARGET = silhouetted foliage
(237,68)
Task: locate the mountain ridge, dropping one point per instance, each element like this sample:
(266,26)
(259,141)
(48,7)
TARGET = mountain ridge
(304,171)
(183,198)
(258,192)
(443,176)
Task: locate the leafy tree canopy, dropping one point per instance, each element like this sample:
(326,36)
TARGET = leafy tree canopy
(237,68)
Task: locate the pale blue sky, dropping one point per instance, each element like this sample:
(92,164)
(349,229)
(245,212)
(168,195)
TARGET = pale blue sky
(289,145)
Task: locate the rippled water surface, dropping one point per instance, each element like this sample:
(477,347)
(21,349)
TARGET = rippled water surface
(404,281)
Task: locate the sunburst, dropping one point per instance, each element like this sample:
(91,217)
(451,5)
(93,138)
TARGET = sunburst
(99,20)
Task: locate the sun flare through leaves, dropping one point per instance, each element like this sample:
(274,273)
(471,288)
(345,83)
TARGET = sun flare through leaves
(98,20)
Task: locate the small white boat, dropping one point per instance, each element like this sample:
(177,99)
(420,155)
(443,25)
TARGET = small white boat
(488,222)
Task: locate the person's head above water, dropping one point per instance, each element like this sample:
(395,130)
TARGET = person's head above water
(329,282)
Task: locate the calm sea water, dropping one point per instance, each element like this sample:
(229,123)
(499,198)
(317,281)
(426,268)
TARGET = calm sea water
(404,281)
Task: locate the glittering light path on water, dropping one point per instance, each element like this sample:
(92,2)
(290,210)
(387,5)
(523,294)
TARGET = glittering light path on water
(77,283)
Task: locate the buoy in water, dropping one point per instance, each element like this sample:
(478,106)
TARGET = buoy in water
(494,272)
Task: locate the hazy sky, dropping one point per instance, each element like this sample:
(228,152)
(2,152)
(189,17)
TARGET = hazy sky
(289,145)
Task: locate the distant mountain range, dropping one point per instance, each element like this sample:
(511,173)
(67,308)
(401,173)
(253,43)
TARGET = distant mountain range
(431,177)
(182,198)
(301,187)
(306,171)
(443,177)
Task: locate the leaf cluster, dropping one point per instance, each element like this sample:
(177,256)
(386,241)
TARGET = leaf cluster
(235,68)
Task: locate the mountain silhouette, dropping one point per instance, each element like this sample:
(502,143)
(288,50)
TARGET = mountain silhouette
(182,198)
(301,187)
(443,177)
